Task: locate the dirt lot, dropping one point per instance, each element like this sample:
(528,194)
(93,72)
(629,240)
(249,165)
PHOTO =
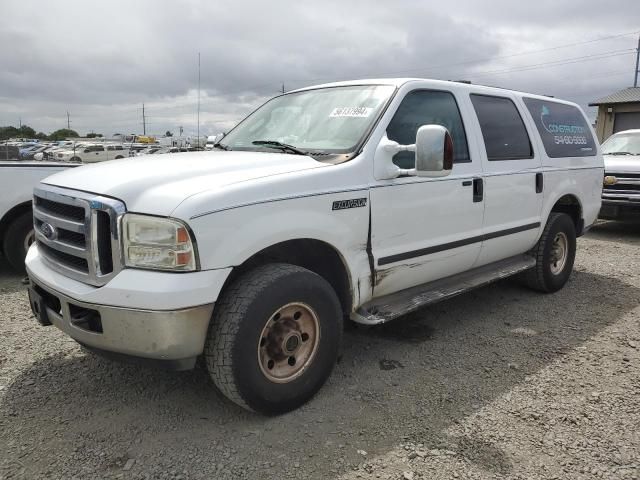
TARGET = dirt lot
(498,383)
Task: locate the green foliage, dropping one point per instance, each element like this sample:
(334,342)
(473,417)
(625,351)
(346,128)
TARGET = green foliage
(63,133)
(25,131)
(93,135)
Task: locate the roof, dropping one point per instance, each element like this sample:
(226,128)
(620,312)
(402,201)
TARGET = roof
(628,95)
(432,83)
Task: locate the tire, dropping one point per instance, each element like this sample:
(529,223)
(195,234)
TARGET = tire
(76,159)
(549,276)
(119,157)
(17,239)
(247,332)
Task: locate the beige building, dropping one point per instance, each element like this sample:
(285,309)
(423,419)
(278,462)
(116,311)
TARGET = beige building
(617,112)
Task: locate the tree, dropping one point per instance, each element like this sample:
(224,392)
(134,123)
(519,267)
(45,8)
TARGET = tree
(93,135)
(63,133)
(25,131)
(168,134)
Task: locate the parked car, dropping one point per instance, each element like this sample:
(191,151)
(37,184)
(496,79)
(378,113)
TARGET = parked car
(17,180)
(364,199)
(621,194)
(32,152)
(149,150)
(91,153)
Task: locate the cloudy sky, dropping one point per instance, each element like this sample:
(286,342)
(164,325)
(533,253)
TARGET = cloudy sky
(102,60)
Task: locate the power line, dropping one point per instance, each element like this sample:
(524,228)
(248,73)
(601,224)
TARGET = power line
(556,63)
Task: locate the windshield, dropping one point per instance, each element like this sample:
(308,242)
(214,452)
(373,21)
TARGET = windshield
(324,120)
(622,144)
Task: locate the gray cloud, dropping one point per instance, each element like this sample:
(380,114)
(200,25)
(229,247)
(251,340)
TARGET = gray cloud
(102,61)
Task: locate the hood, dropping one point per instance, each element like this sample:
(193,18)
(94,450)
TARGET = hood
(622,163)
(157,184)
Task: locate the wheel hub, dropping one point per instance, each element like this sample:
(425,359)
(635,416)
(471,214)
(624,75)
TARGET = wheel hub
(559,253)
(288,342)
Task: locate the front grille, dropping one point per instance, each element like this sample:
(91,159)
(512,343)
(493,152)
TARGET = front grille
(61,210)
(624,175)
(77,233)
(71,261)
(626,188)
(623,186)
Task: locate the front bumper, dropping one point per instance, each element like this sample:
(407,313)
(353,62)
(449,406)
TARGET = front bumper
(620,209)
(175,337)
(150,315)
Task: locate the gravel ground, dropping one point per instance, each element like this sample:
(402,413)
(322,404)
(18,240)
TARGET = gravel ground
(499,383)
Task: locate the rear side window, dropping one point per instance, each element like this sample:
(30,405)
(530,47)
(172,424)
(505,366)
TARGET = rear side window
(504,133)
(563,129)
(427,107)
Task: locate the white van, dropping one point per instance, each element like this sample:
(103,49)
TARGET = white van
(364,200)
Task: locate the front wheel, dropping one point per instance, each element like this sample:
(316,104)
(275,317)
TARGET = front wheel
(17,240)
(274,338)
(555,253)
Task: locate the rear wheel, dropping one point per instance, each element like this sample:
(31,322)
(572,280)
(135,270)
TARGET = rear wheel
(76,159)
(17,240)
(554,253)
(274,338)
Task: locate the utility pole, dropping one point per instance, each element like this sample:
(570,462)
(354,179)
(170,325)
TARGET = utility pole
(198,121)
(635,80)
(144,122)
(68,122)
(20,121)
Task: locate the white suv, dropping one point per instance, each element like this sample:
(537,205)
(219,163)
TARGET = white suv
(92,153)
(362,200)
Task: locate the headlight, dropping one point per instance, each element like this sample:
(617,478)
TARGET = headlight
(157,243)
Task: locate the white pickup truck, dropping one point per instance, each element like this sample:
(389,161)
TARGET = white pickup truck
(363,200)
(17,179)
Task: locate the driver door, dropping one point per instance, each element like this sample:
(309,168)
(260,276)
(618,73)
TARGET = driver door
(424,229)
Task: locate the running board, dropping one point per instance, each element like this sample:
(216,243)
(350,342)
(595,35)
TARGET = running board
(389,307)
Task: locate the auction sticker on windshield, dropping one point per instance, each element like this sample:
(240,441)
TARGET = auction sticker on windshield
(361,112)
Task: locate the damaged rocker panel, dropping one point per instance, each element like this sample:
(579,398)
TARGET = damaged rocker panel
(389,307)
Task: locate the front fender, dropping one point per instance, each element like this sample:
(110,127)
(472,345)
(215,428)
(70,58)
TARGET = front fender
(228,238)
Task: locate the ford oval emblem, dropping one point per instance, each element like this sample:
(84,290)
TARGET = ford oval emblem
(48,230)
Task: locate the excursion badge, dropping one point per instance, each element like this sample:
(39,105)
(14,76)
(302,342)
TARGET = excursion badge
(352,203)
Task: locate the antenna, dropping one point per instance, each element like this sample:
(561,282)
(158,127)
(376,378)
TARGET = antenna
(635,78)
(282,87)
(198,100)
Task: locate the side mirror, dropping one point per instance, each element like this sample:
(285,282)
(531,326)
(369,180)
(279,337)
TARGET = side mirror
(434,151)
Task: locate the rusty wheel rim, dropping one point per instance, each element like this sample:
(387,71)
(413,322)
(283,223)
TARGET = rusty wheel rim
(559,253)
(288,342)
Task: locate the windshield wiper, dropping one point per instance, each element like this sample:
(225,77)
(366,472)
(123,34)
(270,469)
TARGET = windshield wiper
(221,146)
(285,147)
(619,153)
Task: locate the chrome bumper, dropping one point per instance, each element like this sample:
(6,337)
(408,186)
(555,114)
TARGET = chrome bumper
(176,336)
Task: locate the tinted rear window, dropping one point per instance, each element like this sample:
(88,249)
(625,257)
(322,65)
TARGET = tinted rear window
(564,131)
(504,133)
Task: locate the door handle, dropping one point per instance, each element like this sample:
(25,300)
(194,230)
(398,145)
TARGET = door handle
(539,182)
(466,183)
(478,190)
